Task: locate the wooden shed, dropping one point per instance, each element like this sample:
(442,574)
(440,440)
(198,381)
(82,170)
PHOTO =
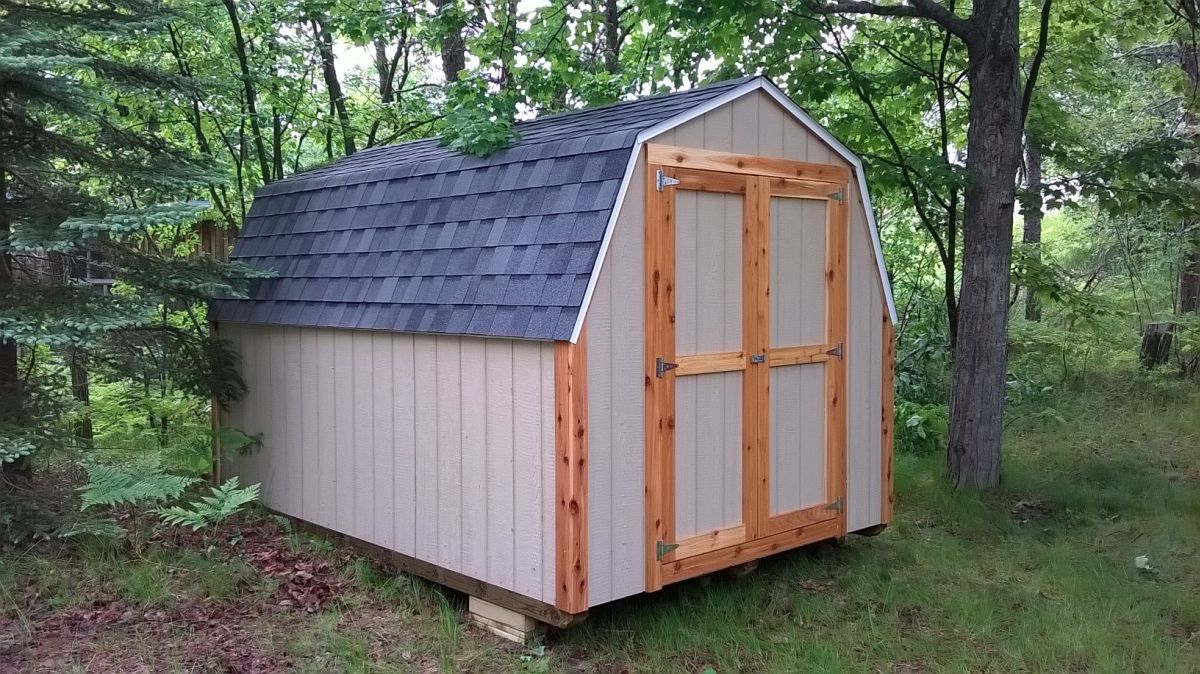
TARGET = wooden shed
(648,341)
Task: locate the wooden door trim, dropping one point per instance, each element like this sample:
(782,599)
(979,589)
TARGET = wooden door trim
(659,233)
(756,339)
(710,363)
(796,519)
(800,355)
(571,475)
(707,542)
(755,165)
(723,558)
(836,227)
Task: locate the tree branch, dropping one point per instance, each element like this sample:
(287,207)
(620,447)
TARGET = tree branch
(917,9)
(1035,65)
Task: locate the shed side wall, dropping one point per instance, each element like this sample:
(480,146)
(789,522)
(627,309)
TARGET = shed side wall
(437,447)
(752,124)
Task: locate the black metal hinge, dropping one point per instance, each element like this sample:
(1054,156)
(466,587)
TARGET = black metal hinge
(836,506)
(836,352)
(662,367)
(837,196)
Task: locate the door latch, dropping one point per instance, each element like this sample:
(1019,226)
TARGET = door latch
(663,549)
(758,359)
(661,367)
(663,181)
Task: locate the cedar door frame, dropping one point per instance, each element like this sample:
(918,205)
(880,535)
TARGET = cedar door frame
(757,179)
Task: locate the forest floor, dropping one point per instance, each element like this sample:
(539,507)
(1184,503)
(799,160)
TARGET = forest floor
(1041,575)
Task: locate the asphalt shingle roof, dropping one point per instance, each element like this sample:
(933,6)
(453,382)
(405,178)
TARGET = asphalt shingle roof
(416,237)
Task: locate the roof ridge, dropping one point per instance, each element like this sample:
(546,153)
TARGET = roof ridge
(556,116)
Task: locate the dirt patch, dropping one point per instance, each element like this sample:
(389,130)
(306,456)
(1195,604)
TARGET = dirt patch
(1029,510)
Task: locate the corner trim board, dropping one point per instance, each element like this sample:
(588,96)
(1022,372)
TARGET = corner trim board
(571,476)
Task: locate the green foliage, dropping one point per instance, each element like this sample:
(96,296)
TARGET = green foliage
(478,121)
(224,502)
(920,429)
(110,486)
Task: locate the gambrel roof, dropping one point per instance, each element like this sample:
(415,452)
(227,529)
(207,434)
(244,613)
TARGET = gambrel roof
(416,237)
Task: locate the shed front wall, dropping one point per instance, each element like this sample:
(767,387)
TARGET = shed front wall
(753,124)
(438,447)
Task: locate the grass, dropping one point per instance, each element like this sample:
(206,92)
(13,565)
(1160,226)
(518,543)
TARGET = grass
(1038,576)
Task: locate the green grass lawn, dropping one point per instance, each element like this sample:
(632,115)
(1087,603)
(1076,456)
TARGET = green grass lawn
(1039,576)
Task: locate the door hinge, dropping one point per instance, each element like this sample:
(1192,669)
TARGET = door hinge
(836,352)
(663,549)
(662,367)
(836,506)
(662,180)
(837,196)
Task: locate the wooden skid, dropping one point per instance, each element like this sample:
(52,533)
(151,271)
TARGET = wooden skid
(495,594)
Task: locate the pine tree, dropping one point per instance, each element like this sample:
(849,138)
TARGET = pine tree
(84,174)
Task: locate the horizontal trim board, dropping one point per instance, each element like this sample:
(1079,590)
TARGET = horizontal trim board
(476,588)
(729,162)
(724,558)
(702,543)
(799,518)
(801,189)
(707,181)
(799,355)
(710,363)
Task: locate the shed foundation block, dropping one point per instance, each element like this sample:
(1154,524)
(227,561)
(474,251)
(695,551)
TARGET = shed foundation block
(503,622)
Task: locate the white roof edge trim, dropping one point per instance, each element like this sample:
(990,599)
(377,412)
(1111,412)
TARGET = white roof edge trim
(807,121)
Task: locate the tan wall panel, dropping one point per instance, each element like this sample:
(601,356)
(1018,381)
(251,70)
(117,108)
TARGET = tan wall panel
(708,272)
(797,437)
(798,293)
(708,466)
(438,447)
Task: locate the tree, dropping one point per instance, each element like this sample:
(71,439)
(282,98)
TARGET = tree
(86,176)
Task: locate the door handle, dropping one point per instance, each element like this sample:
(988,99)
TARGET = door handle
(661,367)
(758,358)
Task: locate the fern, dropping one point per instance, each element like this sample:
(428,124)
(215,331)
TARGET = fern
(109,486)
(225,501)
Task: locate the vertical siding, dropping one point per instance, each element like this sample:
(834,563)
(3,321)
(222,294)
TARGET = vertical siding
(616,391)
(864,357)
(441,448)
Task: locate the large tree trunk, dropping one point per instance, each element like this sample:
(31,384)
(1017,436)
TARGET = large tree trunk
(333,85)
(1032,214)
(994,142)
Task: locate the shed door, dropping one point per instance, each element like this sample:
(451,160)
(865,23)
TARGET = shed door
(745,427)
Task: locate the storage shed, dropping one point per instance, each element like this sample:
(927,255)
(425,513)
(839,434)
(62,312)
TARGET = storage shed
(648,341)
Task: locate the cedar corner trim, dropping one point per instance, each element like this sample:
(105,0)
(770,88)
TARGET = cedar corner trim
(571,476)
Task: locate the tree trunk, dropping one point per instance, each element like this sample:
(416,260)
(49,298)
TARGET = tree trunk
(612,36)
(1032,235)
(337,99)
(994,146)
(81,391)
(1189,275)
(239,44)
(1157,339)
(454,53)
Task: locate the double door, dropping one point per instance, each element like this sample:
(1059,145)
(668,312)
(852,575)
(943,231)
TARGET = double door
(745,358)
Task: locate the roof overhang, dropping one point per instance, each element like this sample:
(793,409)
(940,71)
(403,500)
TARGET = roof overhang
(757,84)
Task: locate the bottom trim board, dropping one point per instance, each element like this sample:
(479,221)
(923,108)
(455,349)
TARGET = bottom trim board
(495,594)
(716,560)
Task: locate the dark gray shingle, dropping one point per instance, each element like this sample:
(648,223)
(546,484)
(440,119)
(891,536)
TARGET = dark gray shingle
(418,238)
